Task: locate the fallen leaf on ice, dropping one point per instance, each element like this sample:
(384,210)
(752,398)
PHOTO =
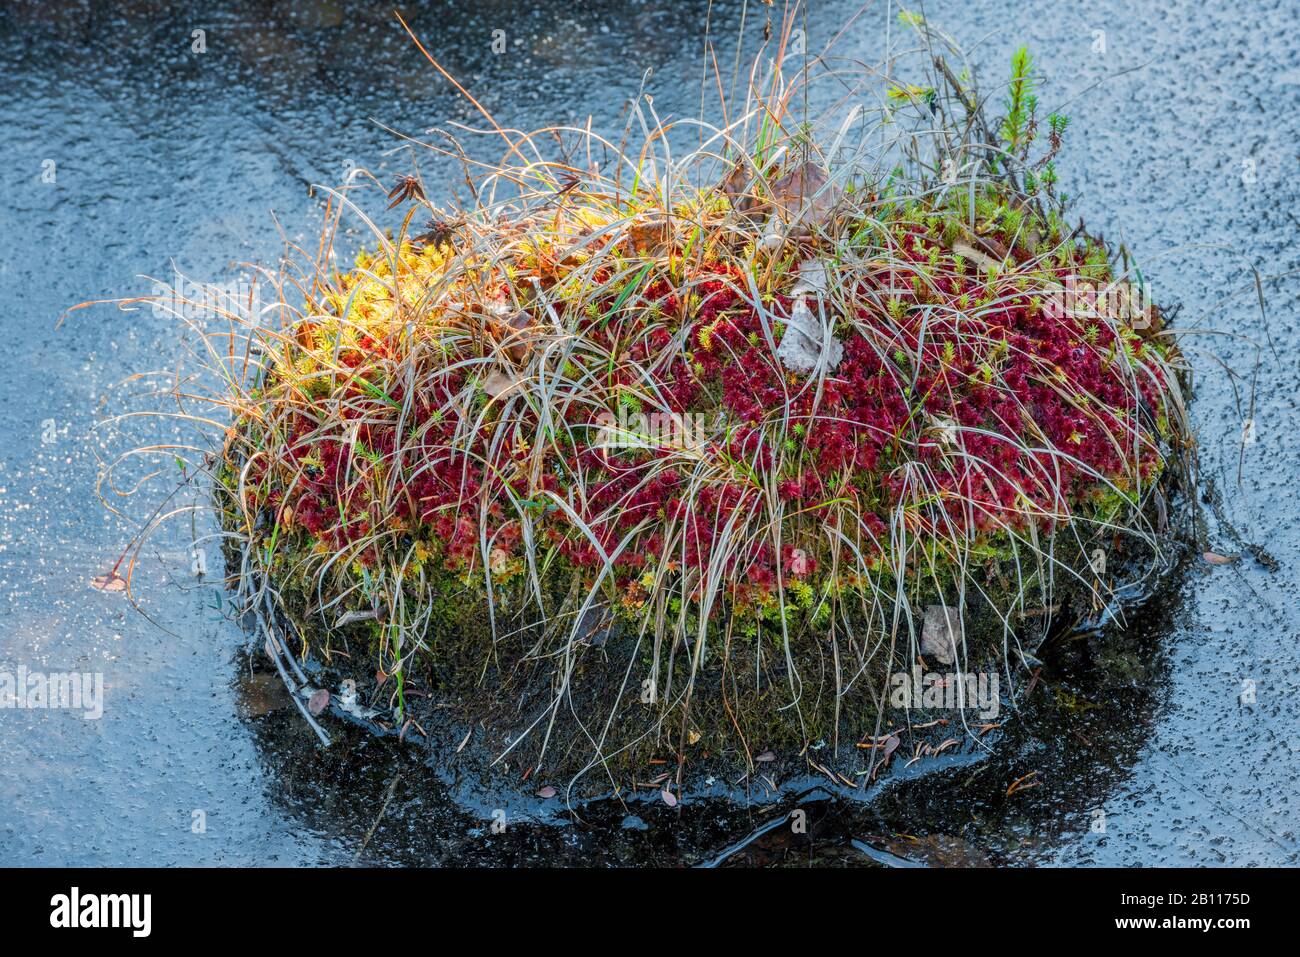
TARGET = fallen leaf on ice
(1214,558)
(110,582)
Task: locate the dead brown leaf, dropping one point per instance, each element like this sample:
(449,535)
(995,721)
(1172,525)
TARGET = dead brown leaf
(513,335)
(980,259)
(738,186)
(649,238)
(804,195)
(497,384)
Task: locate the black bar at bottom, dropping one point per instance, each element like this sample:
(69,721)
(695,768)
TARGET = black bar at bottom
(366,908)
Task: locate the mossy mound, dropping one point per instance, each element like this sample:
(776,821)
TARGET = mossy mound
(619,474)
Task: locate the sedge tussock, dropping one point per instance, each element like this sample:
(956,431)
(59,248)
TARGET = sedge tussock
(663,444)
